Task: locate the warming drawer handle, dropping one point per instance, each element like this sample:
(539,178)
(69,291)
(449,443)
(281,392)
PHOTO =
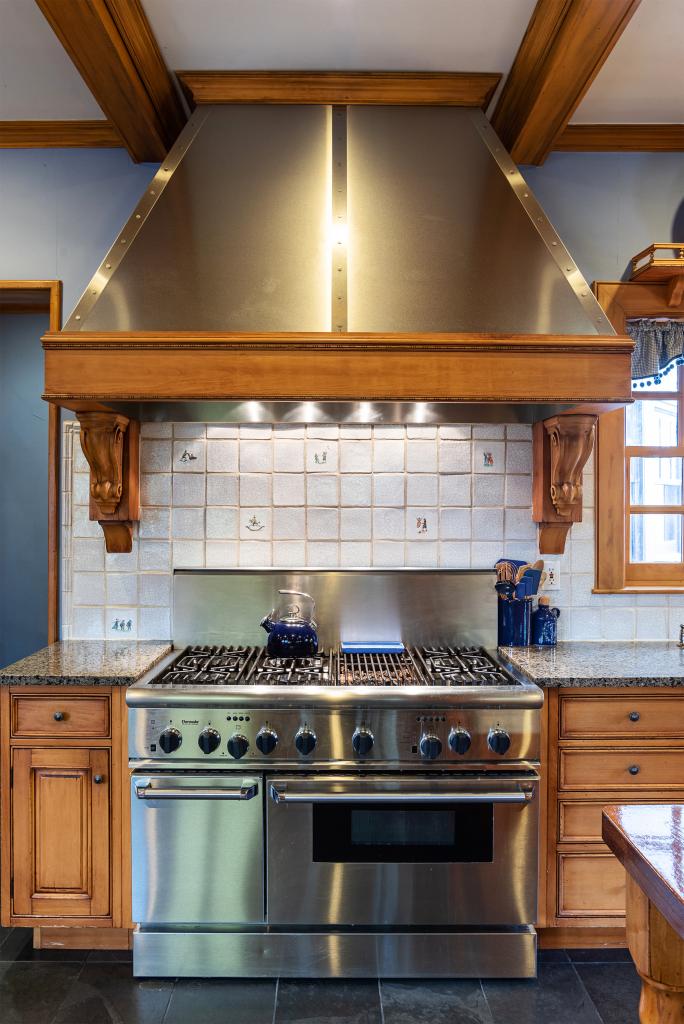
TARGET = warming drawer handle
(244,791)
(280,795)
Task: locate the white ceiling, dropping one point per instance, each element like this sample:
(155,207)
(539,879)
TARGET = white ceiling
(642,80)
(37,79)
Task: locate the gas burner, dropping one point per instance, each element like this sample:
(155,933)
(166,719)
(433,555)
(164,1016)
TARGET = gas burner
(292,671)
(463,666)
(209,666)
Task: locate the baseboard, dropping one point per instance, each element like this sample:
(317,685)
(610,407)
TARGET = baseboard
(82,938)
(581,938)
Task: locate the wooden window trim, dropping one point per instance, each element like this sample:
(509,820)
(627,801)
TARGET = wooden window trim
(622,301)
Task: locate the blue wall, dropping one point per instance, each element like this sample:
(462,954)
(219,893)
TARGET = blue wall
(60,210)
(23,506)
(609,206)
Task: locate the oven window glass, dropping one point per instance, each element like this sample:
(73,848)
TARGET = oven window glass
(410,833)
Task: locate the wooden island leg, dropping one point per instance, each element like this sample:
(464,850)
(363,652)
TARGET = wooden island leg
(658,954)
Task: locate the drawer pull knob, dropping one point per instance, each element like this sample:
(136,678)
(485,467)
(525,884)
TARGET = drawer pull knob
(634,769)
(634,716)
(59,716)
(97,779)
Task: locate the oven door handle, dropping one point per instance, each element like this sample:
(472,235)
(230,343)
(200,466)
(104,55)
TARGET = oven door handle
(280,795)
(245,790)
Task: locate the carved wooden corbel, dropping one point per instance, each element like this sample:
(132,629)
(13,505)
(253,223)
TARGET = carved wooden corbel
(110,444)
(561,447)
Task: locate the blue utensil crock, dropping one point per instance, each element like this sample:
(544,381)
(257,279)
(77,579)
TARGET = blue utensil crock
(514,622)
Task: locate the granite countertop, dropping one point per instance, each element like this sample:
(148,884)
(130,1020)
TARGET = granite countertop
(85,663)
(583,663)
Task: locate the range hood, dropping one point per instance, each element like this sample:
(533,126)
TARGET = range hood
(360,263)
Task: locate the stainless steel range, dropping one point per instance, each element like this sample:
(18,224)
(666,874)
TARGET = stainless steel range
(344,815)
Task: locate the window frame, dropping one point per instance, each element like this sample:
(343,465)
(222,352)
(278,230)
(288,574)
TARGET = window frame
(614,572)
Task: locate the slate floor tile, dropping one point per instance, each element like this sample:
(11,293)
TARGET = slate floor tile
(434,1002)
(552,956)
(222,1001)
(556,997)
(600,956)
(614,990)
(328,1002)
(109,994)
(31,992)
(110,956)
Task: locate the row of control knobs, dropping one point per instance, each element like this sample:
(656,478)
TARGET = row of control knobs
(430,746)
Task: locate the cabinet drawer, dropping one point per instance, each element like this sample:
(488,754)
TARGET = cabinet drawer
(579,821)
(590,885)
(621,769)
(621,717)
(48,717)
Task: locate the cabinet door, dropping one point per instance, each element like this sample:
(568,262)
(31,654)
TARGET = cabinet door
(60,833)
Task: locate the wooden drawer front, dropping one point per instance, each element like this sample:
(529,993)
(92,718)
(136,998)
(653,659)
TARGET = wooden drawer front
(621,717)
(34,717)
(590,885)
(579,821)
(610,769)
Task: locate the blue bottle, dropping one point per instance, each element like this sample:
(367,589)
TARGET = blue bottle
(544,624)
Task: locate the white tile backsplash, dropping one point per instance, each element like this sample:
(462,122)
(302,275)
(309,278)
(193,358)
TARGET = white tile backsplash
(220,496)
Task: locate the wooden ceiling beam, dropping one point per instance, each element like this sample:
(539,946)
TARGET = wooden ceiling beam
(58,134)
(444,88)
(562,51)
(113,47)
(634,138)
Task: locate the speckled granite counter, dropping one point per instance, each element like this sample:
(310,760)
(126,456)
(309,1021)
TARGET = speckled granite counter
(85,663)
(581,663)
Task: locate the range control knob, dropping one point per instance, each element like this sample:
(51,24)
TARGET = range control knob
(499,741)
(266,740)
(459,740)
(362,741)
(430,746)
(305,740)
(170,740)
(238,745)
(209,740)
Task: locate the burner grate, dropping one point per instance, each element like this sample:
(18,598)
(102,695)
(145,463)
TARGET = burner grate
(415,666)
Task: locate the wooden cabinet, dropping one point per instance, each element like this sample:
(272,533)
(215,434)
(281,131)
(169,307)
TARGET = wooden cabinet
(604,746)
(60,717)
(60,832)
(64,809)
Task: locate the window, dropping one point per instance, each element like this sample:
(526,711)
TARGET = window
(654,501)
(639,463)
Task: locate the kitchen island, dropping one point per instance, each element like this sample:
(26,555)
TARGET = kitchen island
(649,843)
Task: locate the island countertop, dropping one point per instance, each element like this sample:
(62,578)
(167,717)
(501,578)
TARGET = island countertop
(603,663)
(86,663)
(647,839)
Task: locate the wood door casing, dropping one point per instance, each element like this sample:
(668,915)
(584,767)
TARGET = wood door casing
(60,833)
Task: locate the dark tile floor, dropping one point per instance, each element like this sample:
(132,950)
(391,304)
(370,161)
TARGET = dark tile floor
(67,987)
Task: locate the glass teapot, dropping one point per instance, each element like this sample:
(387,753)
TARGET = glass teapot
(291,627)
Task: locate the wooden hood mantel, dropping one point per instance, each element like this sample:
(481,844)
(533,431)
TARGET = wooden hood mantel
(106,373)
(99,370)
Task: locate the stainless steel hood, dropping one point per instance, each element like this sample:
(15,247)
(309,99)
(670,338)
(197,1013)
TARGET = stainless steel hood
(339,219)
(237,231)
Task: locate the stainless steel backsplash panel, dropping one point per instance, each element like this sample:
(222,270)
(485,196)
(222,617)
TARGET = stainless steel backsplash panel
(413,605)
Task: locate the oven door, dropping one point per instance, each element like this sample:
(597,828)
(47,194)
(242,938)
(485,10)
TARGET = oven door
(389,851)
(197,849)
